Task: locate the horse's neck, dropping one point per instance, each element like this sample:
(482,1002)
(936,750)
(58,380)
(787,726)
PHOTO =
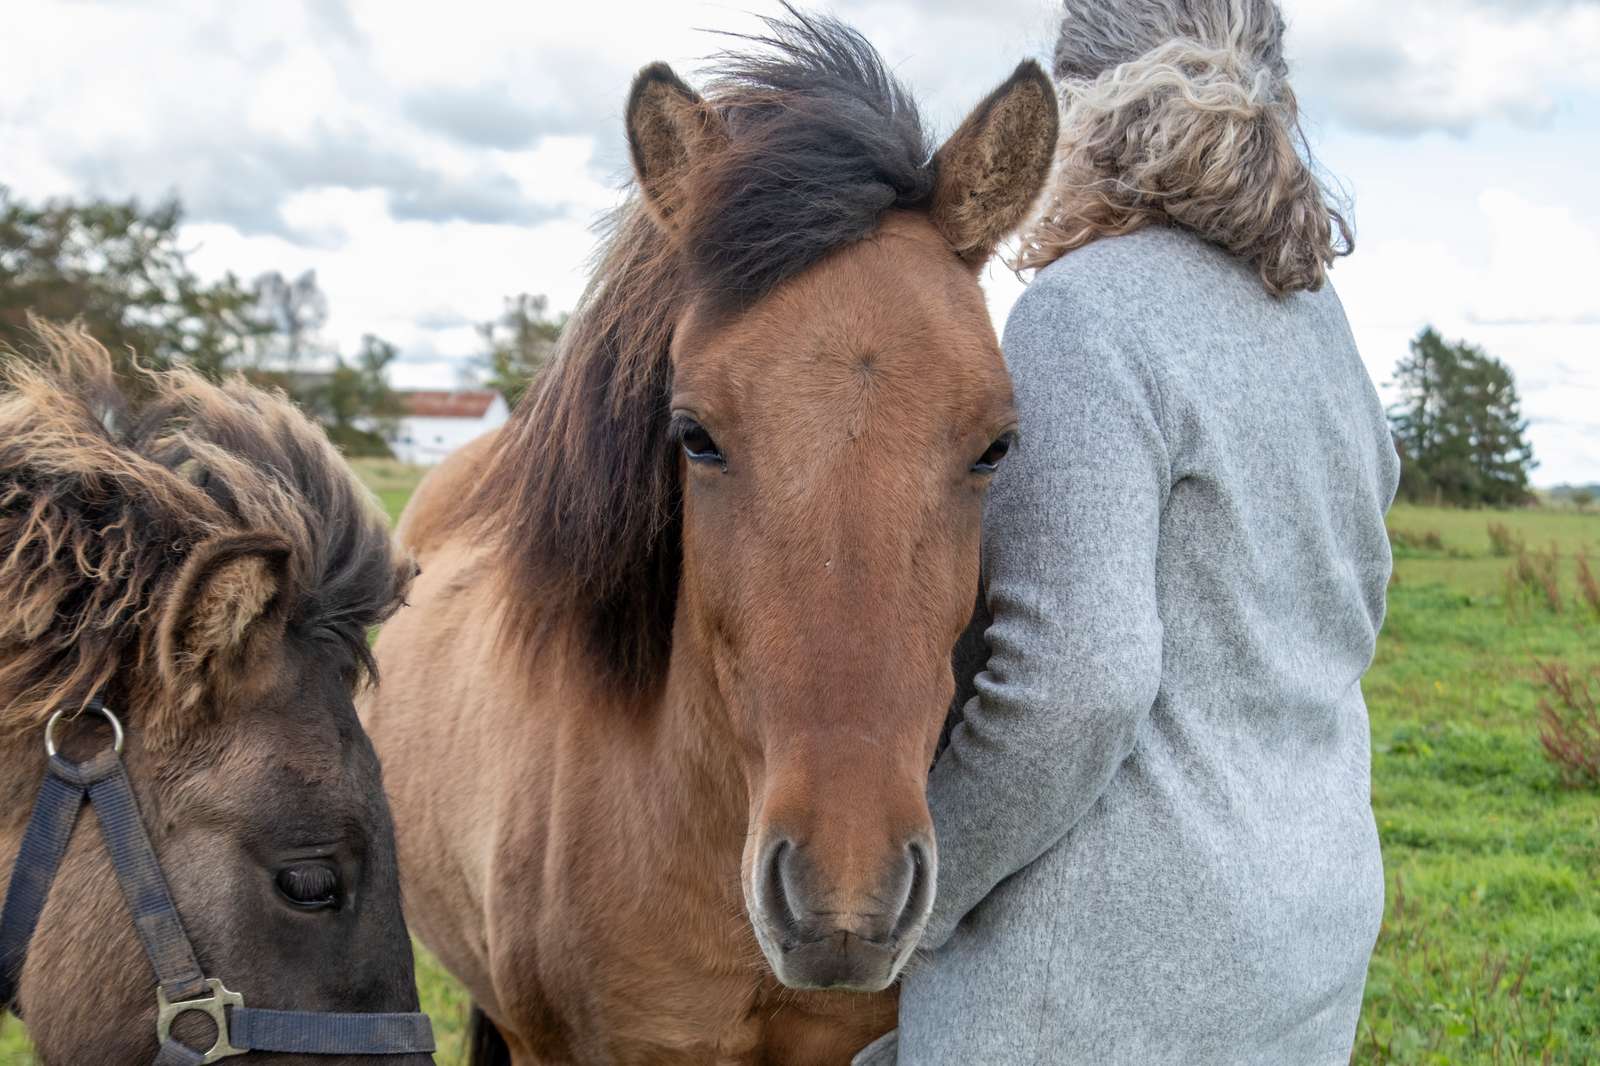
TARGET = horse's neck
(686,781)
(698,779)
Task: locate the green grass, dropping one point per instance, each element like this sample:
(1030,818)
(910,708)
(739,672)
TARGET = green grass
(1466,564)
(393,482)
(1490,950)
(14,1046)
(446,1003)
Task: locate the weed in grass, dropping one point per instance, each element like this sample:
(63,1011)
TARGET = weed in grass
(1515,596)
(1547,566)
(1535,576)
(1502,542)
(1588,586)
(1569,724)
(1437,1008)
(1409,541)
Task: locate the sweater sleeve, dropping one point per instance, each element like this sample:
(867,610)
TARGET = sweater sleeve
(1070,538)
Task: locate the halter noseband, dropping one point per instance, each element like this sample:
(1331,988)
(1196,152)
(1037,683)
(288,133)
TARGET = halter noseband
(102,782)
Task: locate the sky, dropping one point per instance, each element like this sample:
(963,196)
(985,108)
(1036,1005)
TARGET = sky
(428,160)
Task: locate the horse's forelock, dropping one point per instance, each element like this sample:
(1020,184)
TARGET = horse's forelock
(102,500)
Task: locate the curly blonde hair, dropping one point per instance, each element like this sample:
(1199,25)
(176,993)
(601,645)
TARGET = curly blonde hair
(1179,112)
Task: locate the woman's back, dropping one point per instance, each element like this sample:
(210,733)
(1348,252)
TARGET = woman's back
(1215,465)
(1274,558)
(1153,814)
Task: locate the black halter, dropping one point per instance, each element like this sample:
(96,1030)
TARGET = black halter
(181,987)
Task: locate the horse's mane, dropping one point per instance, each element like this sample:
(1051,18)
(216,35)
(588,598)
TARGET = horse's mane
(103,500)
(582,492)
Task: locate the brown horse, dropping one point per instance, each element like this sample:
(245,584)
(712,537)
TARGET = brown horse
(207,566)
(658,722)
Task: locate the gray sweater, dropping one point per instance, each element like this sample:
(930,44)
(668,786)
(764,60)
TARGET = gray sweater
(1154,822)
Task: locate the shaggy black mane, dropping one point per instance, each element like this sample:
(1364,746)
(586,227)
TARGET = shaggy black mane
(823,141)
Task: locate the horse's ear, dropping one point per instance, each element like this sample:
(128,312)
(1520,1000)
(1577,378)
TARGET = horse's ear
(993,168)
(230,591)
(669,128)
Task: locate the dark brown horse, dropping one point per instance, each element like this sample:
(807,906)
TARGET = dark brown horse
(658,723)
(208,567)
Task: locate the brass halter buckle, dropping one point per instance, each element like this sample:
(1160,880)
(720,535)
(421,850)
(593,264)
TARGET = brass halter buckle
(215,1006)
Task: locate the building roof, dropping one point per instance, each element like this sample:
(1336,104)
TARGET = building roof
(463,403)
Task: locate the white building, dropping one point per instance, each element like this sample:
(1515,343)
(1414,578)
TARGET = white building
(437,423)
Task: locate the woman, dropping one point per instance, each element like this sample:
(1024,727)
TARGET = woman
(1156,841)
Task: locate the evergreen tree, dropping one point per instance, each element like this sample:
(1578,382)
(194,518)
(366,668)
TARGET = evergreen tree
(1416,419)
(1459,425)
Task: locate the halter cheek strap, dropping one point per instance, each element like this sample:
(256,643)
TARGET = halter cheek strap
(182,987)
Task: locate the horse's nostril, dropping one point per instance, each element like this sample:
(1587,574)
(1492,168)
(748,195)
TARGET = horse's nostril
(797,907)
(919,890)
(777,883)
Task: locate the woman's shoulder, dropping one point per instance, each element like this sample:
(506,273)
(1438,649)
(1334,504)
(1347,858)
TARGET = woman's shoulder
(1108,295)
(1181,315)
(1162,282)
(1147,266)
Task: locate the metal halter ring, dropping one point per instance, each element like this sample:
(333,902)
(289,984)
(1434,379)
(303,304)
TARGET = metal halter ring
(213,1005)
(50,728)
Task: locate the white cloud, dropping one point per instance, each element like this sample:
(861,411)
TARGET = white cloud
(1543,263)
(428,167)
(1530,301)
(1441,64)
(418,284)
(425,170)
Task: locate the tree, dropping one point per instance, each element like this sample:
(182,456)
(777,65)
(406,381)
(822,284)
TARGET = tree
(1488,420)
(289,313)
(352,398)
(1416,419)
(1583,499)
(1459,425)
(520,342)
(117,267)
(354,402)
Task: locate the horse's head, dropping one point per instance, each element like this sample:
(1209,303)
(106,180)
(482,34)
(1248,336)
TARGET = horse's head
(839,403)
(207,566)
(751,483)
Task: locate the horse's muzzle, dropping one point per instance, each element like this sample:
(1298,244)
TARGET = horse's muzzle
(819,934)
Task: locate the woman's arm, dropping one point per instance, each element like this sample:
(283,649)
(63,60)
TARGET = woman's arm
(1075,644)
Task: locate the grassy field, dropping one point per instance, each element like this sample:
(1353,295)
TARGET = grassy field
(1490,950)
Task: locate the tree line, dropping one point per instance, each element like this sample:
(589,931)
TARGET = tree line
(119,268)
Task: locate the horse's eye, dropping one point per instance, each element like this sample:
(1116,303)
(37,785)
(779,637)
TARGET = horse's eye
(990,459)
(697,443)
(310,885)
